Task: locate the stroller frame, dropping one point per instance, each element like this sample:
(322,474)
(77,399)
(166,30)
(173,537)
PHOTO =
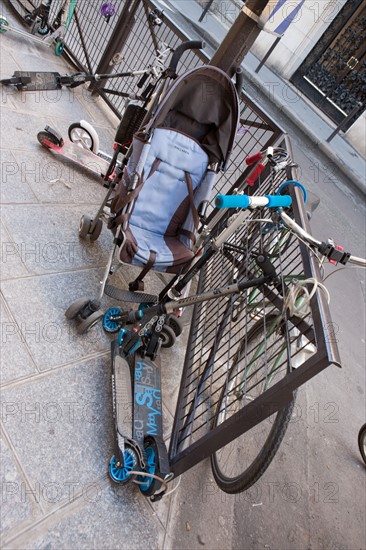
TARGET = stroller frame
(88,311)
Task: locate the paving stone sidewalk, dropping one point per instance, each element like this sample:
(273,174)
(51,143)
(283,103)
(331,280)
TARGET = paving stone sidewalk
(56,423)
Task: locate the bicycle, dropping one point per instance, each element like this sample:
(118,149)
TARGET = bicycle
(267,342)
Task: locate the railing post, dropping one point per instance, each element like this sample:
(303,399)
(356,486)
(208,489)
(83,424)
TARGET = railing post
(209,4)
(268,53)
(117,40)
(340,126)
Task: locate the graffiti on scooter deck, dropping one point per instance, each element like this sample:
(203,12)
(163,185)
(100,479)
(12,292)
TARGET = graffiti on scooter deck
(147,401)
(83,157)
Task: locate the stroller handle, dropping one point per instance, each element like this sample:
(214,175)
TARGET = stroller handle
(177,54)
(244,201)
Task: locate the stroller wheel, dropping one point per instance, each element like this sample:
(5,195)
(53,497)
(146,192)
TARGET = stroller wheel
(109,324)
(90,321)
(176,324)
(96,231)
(167,337)
(75,308)
(84,226)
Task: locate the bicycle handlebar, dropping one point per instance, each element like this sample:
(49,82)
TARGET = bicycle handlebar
(244,201)
(327,249)
(177,54)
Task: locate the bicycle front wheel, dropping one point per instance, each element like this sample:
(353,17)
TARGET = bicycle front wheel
(260,362)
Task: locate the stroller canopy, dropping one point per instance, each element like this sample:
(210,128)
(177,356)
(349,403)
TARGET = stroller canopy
(203,104)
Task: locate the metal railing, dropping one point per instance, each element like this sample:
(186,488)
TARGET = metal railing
(220,341)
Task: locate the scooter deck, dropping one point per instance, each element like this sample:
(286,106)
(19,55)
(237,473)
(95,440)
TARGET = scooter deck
(122,389)
(83,157)
(31,81)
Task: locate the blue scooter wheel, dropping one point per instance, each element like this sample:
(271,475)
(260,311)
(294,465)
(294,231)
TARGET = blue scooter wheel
(60,46)
(111,325)
(121,474)
(149,485)
(3,24)
(43,30)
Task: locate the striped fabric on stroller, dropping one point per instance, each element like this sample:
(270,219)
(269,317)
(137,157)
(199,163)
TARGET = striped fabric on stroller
(171,172)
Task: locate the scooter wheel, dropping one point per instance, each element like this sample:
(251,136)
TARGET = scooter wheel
(167,336)
(3,24)
(75,308)
(176,324)
(43,30)
(120,474)
(149,485)
(80,136)
(60,46)
(90,321)
(44,136)
(111,325)
(84,226)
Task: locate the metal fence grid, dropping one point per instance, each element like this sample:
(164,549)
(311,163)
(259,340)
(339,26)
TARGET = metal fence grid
(222,360)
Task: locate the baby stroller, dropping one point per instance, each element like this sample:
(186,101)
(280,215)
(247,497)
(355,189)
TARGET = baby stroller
(162,192)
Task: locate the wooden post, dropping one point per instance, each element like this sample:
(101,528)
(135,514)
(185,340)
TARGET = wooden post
(240,37)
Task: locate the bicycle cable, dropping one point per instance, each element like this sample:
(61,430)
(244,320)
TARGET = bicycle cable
(146,474)
(299,292)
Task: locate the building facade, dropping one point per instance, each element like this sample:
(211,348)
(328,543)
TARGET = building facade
(322,52)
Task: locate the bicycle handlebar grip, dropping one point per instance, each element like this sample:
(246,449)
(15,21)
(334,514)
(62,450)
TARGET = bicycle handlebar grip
(279,201)
(177,54)
(232,201)
(243,201)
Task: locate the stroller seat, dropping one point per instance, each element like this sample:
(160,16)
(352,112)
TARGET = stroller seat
(171,171)
(158,231)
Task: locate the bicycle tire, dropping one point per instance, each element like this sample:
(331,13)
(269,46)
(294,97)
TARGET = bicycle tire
(362,442)
(239,448)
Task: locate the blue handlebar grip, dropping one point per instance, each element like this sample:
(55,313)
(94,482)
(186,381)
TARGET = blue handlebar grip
(232,201)
(277,201)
